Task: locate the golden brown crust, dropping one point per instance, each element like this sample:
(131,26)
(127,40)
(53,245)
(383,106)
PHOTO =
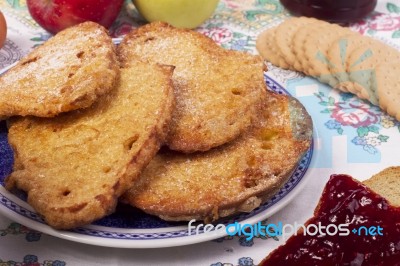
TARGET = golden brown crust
(68,72)
(75,166)
(386,183)
(229,179)
(216,89)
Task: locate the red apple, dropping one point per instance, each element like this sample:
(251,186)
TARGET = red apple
(3,29)
(56,15)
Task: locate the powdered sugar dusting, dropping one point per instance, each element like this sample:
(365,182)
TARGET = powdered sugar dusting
(215,88)
(48,75)
(229,178)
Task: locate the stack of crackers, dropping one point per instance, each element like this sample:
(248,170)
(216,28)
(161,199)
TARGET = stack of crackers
(87,121)
(335,55)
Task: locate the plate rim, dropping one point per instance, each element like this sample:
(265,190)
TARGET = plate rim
(75,236)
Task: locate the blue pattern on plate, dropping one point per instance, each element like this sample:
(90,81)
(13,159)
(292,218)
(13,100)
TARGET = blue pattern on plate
(131,218)
(6,155)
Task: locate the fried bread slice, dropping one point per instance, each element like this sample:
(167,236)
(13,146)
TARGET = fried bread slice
(75,166)
(216,89)
(68,72)
(233,178)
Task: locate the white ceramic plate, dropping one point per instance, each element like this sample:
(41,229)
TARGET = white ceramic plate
(131,228)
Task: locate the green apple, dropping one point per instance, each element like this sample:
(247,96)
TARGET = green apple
(179,13)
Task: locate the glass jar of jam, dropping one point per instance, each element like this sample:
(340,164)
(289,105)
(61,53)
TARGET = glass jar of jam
(338,11)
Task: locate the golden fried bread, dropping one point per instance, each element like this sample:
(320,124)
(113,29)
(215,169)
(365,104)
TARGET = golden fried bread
(216,89)
(387,184)
(68,72)
(76,165)
(232,178)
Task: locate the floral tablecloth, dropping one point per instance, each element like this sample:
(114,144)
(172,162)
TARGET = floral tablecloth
(352,137)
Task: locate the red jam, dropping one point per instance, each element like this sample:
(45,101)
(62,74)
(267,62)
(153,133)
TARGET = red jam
(341,11)
(346,201)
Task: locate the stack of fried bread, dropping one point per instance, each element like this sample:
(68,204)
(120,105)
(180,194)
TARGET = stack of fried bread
(335,55)
(230,144)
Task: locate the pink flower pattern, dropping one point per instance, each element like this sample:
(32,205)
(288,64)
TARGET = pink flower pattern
(219,35)
(378,22)
(351,113)
(355,114)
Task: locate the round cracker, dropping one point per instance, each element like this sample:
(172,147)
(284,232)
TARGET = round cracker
(317,43)
(300,63)
(362,62)
(285,33)
(361,84)
(338,54)
(232,178)
(388,88)
(268,49)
